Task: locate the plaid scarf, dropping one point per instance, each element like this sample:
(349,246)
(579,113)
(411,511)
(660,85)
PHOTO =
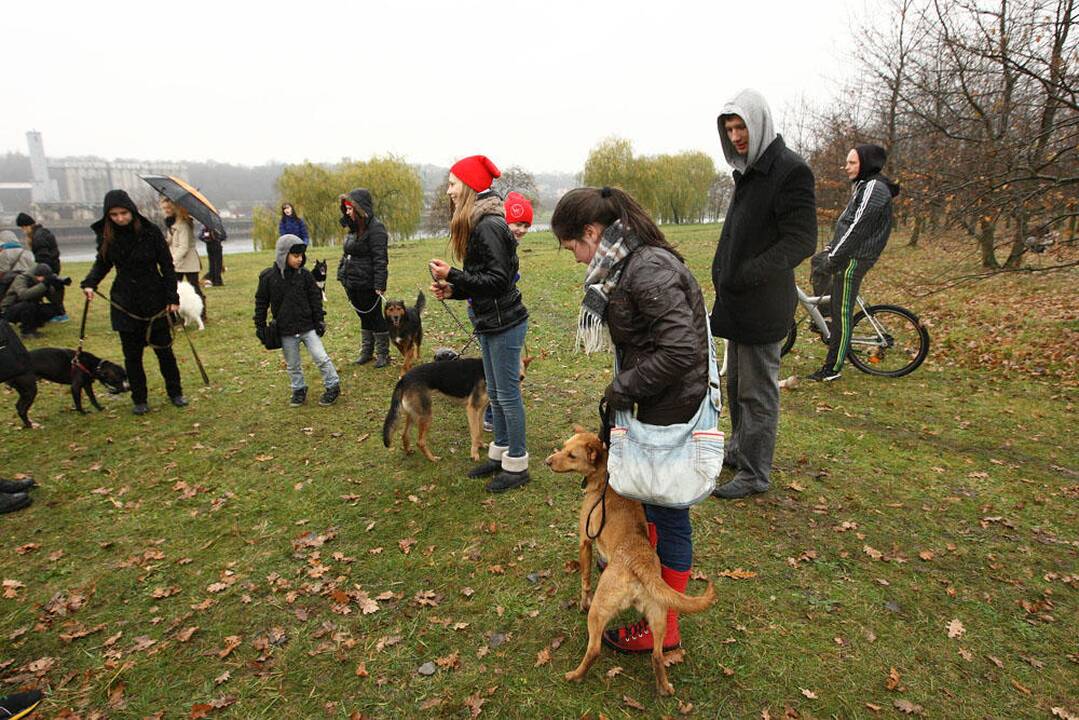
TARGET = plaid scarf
(603,274)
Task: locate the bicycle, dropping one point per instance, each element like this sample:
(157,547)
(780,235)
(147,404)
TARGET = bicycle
(886,340)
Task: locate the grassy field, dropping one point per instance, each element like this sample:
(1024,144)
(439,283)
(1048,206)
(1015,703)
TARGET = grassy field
(919,553)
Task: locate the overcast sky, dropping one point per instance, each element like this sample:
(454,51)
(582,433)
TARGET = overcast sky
(532,84)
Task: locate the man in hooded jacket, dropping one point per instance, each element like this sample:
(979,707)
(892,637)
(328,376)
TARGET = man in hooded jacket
(860,237)
(770,228)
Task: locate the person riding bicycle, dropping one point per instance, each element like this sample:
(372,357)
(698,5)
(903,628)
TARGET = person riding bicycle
(860,236)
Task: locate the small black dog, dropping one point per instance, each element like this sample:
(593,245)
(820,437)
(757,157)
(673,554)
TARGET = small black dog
(319,271)
(406,328)
(55,365)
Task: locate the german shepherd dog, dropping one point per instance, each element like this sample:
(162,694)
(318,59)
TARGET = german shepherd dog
(632,576)
(459,379)
(56,365)
(406,329)
(319,271)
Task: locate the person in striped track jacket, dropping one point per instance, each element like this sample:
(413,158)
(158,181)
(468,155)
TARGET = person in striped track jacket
(860,236)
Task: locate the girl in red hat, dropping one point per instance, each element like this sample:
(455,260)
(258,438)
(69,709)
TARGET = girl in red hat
(482,242)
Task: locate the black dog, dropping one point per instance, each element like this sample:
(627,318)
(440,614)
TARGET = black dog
(406,328)
(319,271)
(56,365)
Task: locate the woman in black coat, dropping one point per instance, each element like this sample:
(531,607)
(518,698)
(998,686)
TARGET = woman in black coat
(143,291)
(363,271)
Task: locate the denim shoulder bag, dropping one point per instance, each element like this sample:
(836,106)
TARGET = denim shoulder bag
(673,466)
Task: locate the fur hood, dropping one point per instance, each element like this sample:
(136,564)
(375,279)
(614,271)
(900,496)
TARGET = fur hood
(487,203)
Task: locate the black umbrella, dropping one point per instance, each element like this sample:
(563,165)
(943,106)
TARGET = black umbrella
(189,198)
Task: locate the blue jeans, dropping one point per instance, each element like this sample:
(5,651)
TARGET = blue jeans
(290,347)
(502,368)
(674,536)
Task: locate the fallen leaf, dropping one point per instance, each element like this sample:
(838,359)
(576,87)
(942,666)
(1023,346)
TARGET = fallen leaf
(406,545)
(966,654)
(430,703)
(361,670)
(738,574)
(543,657)
(27,548)
(1020,687)
(893,679)
(872,552)
(474,703)
(231,643)
(996,661)
(616,670)
(874,708)
(630,702)
(926,555)
(116,696)
(451,661)
(1059,712)
(907,707)
(185,634)
(809,693)
(387,642)
(222,678)
(674,657)
(955,628)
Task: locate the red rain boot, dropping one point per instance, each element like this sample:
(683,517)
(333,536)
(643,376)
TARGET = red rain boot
(637,637)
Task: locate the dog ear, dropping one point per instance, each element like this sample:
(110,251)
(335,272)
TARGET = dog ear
(595,450)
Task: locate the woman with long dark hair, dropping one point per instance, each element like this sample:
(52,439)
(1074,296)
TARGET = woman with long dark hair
(292,224)
(482,242)
(143,291)
(640,296)
(363,272)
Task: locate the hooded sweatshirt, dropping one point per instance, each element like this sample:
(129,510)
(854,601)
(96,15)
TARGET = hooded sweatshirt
(751,106)
(364,264)
(290,294)
(863,228)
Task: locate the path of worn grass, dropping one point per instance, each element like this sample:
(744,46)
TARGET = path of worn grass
(241,559)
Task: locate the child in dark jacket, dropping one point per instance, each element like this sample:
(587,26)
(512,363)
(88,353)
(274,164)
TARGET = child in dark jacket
(290,293)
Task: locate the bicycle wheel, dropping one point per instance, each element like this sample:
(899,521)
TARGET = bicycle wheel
(791,337)
(887,340)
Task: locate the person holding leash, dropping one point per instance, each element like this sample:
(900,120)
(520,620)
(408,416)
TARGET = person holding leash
(640,294)
(143,291)
(364,271)
(481,240)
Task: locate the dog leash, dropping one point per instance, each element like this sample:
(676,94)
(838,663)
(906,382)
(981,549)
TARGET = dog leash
(82,337)
(605,437)
(471,333)
(172,331)
(198,360)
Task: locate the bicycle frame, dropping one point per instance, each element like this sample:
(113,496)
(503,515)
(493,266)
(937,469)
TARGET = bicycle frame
(811,302)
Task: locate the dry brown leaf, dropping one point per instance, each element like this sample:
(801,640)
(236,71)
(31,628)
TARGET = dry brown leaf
(430,703)
(1020,687)
(200,710)
(116,696)
(387,642)
(616,670)
(926,555)
(685,708)
(185,634)
(907,707)
(738,574)
(451,661)
(222,678)
(996,661)
(872,552)
(630,702)
(474,703)
(966,654)
(543,657)
(406,545)
(361,670)
(809,693)
(955,628)
(1059,712)
(231,643)
(674,657)
(874,708)
(893,679)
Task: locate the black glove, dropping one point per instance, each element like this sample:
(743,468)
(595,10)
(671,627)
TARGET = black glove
(320,328)
(616,400)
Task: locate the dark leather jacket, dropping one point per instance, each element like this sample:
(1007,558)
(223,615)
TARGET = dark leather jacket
(656,316)
(489,275)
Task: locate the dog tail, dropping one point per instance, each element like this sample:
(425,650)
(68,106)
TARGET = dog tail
(421,303)
(391,416)
(679,602)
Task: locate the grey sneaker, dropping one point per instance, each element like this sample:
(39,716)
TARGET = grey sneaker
(299,397)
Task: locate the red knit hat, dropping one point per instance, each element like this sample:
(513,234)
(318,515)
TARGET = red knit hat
(518,209)
(476,171)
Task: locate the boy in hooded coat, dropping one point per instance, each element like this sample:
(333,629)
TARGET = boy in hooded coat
(288,290)
(860,236)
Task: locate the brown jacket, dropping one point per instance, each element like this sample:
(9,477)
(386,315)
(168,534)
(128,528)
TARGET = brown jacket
(657,318)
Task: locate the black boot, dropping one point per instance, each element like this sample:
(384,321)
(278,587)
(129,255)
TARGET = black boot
(16,486)
(514,474)
(329,397)
(10,502)
(367,347)
(382,349)
(491,465)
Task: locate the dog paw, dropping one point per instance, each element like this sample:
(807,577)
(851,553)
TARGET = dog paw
(572,676)
(666,690)
(585,602)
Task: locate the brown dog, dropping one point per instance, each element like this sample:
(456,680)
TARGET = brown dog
(406,329)
(632,576)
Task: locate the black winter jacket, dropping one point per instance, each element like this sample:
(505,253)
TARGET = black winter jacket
(365,262)
(293,298)
(865,224)
(656,316)
(771,227)
(489,274)
(43,245)
(145,279)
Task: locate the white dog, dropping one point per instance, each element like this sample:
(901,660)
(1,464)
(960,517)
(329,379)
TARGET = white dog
(190,304)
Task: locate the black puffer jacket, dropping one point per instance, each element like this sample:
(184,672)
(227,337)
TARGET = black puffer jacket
(365,262)
(771,227)
(489,275)
(145,279)
(656,316)
(291,295)
(43,244)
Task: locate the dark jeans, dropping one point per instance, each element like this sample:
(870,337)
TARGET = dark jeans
(133,345)
(32,314)
(217,263)
(753,399)
(845,284)
(368,305)
(674,536)
(820,275)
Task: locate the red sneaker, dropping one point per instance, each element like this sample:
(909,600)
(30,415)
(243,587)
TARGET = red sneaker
(637,637)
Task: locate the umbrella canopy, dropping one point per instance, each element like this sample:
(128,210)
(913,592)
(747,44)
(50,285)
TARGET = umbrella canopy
(189,198)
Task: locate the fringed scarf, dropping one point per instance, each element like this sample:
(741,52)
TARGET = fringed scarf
(603,274)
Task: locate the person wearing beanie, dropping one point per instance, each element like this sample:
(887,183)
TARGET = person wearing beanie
(31,299)
(43,245)
(144,287)
(482,242)
(14,259)
(860,236)
(364,271)
(180,235)
(518,214)
(288,290)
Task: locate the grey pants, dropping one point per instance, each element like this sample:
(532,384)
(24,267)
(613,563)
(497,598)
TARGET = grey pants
(753,399)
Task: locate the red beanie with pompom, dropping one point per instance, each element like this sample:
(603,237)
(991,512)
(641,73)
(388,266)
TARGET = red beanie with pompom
(476,171)
(518,209)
